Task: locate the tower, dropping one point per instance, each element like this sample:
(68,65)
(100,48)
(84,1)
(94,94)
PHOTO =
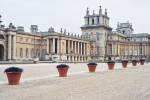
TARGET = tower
(96,27)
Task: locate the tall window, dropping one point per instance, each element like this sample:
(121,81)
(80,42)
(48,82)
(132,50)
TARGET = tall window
(27,52)
(37,52)
(32,52)
(98,19)
(88,21)
(21,52)
(92,21)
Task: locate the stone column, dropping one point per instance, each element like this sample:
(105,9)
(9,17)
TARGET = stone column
(53,45)
(78,48)
(58,50)
(68,46)
(75,49)
(48,46)
(85,48)
(14,47)
(9,47)
(72,47)
(81,49)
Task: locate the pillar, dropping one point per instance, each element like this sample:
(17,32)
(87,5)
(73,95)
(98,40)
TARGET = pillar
(72,47)
(68,46)
(75,48)
(9,47)
(58,50)
(47,46)
(14,47)
(53,45)
(78,48)
(84,49)
(81,48)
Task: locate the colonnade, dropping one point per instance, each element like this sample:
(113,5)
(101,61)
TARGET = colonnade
(127,49)
(71,46)
(74,50)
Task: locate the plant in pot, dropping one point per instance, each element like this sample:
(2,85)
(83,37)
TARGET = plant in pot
(134,62)
(13,75)
(124,63)
(142,61)
(62,70)
(92,66)
(111,65)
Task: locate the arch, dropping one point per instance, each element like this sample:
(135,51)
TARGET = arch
(1,52)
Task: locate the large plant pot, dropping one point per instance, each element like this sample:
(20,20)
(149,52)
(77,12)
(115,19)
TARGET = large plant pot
(142,61)
(124,63)
(92,68)
(62,72)
(134,62)
(13,77)
(111,65)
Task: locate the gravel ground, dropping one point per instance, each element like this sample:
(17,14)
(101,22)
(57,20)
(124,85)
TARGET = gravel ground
(44,70)
(132,83)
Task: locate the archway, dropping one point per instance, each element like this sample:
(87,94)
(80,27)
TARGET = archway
(1,52)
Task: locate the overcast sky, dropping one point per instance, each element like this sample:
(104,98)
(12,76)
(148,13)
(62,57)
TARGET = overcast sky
(69,13)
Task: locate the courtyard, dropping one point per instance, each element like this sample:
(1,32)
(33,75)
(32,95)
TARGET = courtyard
(41,81)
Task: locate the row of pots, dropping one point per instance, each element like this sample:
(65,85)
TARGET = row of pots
(14,73)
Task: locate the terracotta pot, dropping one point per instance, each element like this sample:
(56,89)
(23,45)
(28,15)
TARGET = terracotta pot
(134,62)
(111,66)
(142,62)
(92,68)
(62,72)
(124,64)
(13,77)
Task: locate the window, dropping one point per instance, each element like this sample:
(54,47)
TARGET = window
(32,52)
(92,21)
(37,53)
(98,19)
(21,52)
(88,21)
(123,31)
(27,52)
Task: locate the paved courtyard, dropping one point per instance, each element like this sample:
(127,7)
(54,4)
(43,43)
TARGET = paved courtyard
(122,84)
(44,70)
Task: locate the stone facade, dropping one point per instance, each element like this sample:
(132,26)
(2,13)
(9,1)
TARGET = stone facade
(97,42)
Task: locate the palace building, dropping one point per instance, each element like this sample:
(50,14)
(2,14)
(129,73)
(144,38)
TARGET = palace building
(97,42)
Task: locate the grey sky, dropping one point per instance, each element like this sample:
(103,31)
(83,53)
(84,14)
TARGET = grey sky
(69,13)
